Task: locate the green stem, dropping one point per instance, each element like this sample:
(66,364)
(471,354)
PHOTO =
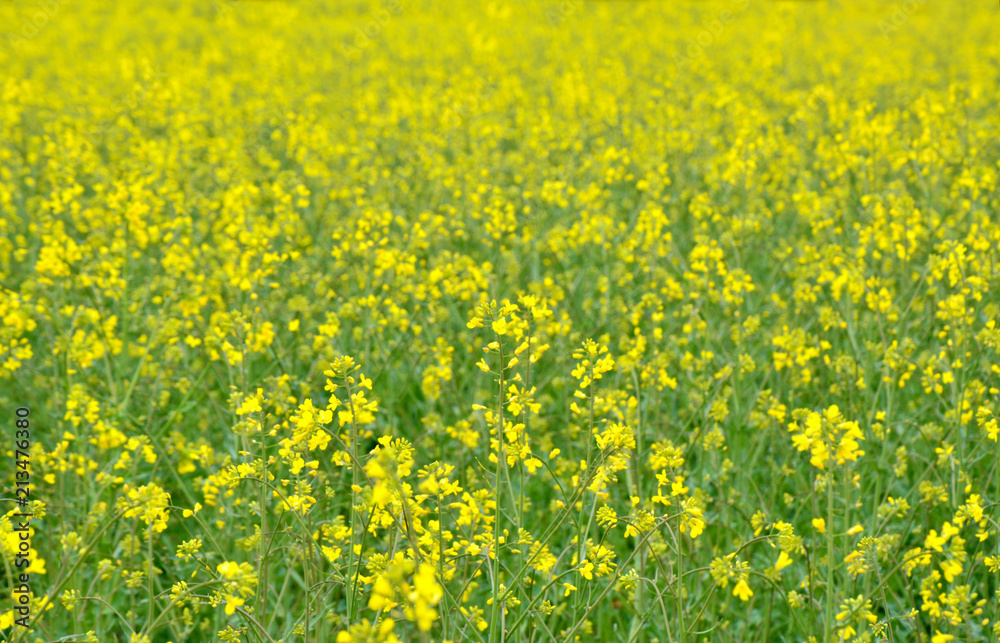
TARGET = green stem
(149,553)
(261,551)
(497,602)
(828,620)
(679,590)
(351,562)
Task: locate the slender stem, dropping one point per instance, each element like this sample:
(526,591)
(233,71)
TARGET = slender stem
(149,553)
(307,558)
(72,570)
(828,620)
(497,603)
(581,531)
(262,499)
(355,464)
(640,587)
(679,591)
(440,534)
(567,511)
(885,605)
(600,597)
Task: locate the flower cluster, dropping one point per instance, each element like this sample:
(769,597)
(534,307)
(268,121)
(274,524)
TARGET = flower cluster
(505,323)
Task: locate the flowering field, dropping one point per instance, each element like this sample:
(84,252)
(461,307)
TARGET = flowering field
(520,322)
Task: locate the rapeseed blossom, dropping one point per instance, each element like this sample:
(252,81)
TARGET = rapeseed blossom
(504,323)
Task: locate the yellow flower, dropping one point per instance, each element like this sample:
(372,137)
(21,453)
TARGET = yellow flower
(935,541)
(743,591)
(250,405)
(819,524)
(381,495)
(382,594)
(951,568)
(784,560)
(233,602)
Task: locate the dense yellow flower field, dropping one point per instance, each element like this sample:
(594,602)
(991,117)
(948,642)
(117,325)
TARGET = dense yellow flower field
(507,321)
